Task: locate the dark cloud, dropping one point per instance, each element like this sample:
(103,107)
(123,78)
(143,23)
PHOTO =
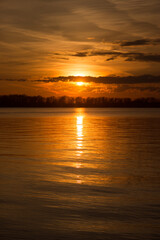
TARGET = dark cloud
(106,80)
(14,80)
(80,54)
(135,43)
(128,56)
(111,59)
(140,42)
(132,56)
(141,57)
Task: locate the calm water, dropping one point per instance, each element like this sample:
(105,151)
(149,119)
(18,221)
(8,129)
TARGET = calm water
(79,174)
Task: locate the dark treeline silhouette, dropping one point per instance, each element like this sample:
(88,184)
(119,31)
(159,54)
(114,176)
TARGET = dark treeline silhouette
(39,101)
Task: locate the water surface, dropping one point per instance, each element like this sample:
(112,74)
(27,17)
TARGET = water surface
(79,174)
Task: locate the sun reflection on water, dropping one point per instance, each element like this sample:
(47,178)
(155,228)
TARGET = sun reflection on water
(79,144)
(79,134)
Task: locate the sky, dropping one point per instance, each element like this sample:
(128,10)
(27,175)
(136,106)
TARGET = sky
(41,40)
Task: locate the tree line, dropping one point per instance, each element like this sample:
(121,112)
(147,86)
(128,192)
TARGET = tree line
(65,101)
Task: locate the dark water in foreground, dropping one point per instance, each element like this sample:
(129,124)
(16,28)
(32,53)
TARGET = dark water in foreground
(79,174)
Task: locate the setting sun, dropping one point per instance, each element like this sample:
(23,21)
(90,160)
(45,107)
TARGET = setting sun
(79,83)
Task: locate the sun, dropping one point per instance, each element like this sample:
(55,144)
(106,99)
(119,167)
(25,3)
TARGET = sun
(80,83)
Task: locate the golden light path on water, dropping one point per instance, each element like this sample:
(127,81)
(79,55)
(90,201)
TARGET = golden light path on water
(79,143)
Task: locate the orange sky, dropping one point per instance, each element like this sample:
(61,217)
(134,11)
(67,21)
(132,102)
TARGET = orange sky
(46,39)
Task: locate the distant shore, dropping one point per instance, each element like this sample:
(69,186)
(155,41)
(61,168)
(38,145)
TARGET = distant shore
(25,101)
